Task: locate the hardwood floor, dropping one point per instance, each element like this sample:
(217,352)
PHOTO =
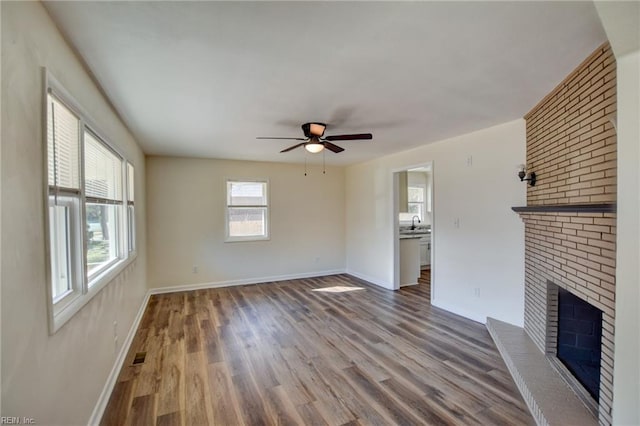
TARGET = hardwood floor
(425,280)
(286,353)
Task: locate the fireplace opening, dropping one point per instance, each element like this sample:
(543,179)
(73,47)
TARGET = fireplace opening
(579,340)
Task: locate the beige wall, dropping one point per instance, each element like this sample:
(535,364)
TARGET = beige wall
(54,379)
(485,252)
(621,21)
(186,222)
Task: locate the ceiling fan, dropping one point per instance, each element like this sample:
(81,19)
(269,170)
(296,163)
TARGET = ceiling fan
(314,141)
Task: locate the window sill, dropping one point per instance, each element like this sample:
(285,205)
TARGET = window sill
(245,239)
(58,319)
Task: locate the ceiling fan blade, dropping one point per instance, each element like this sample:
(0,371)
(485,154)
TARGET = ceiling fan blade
(293,147)
(332,147)
(269,137)
(349,137)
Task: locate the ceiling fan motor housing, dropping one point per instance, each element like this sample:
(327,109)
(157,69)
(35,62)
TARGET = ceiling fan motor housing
(313,129)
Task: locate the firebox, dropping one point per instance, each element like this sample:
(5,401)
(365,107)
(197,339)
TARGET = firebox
(579,340)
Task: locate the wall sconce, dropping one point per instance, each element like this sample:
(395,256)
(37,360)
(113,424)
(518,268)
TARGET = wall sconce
(523,175)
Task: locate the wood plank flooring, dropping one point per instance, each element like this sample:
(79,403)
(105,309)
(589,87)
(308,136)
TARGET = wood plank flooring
(282,353)
(425,282)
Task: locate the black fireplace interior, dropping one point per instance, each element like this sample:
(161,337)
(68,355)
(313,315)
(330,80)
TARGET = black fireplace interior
(579,335)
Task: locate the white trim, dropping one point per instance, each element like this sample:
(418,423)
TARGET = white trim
(462,312)
(66,314)
(395,210)
(375,281)
(267,227)
(245,281)
(103,399)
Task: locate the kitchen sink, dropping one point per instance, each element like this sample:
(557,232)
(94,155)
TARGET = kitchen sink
(415,231)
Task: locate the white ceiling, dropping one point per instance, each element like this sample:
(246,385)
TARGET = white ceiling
(204,79)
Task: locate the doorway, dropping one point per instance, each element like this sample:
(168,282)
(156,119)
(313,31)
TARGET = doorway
(413,216)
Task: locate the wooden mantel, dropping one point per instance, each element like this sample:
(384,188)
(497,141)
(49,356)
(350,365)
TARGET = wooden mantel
(568,208)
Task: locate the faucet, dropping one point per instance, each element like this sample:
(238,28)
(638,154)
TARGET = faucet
(413,225)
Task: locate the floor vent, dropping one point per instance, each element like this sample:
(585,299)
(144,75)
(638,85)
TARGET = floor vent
(139,358)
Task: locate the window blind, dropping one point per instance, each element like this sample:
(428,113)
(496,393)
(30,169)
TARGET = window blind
(102,171)
(246,194)
(63,146)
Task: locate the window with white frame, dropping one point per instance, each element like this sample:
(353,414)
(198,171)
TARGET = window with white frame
(103,205)
(247,210)
(64,201)
(416,203)
(89,228)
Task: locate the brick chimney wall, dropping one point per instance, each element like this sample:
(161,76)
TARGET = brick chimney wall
(571,146)
(571,142)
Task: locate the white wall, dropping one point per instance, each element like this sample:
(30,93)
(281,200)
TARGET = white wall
(186,222)
(486,252)
(621,21)
(54,379)
(627,335)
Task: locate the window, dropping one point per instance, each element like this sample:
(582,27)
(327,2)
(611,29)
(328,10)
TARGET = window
(64,195)
(88,224)
(247,210)
(103,205)
(416,201)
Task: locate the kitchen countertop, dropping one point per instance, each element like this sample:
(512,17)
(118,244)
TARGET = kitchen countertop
(411,236)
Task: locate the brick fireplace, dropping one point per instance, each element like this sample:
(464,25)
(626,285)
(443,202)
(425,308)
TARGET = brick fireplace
(570,220)
(574,252)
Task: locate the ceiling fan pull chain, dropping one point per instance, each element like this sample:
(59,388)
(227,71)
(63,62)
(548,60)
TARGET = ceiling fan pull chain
(305,163)
(324,165)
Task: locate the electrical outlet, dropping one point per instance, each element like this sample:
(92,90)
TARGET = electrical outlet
(195,269)
(469,161)
(317,259)
(456,223)
(476,291)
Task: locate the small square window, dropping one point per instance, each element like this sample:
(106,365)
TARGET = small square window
(247,211)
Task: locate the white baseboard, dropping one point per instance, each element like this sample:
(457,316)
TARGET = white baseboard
(463,313)
(231,283)
(372,280)
(98,410)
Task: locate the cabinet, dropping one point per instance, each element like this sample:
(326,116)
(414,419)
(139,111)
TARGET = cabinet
(425,251)
(409,261)
(403,192)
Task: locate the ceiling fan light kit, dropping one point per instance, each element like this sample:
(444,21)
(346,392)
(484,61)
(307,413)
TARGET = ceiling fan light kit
(314,147)
(314,142)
